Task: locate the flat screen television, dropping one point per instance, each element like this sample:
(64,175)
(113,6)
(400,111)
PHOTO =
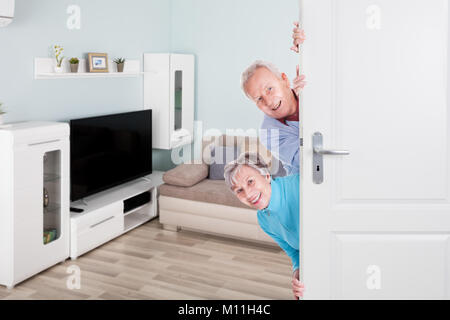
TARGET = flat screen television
(109,150)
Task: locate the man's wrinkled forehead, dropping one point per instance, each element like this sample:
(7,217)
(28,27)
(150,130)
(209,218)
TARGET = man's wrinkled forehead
(259,81)
(264,74)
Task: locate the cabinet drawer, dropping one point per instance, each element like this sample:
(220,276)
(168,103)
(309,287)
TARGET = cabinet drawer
(94,231)
(90,220)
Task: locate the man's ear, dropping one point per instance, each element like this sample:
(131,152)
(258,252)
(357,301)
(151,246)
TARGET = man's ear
(285,80)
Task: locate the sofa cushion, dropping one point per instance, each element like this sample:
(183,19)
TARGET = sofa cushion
(220,156)
(186,175)
(212,191)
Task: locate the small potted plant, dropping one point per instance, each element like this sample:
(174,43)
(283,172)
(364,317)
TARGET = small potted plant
(120,62)
(74,62)
(2,112)
(59,58)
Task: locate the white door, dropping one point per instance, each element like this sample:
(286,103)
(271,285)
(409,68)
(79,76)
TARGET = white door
(378,226)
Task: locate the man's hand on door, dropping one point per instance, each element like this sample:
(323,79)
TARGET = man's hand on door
(298,36)
(299,82)
(297,286)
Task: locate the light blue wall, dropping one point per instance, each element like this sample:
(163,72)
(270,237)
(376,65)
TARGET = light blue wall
(120,28)
(226,36)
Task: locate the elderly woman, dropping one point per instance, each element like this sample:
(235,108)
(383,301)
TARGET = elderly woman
(277,202)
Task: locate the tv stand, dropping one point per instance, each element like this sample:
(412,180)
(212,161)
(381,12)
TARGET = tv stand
(113,212)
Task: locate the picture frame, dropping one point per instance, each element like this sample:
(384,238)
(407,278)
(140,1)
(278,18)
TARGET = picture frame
(98,62)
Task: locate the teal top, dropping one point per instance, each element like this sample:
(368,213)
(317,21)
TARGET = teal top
(280,219)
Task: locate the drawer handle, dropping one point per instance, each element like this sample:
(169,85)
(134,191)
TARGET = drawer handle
(103,221)
(45,142)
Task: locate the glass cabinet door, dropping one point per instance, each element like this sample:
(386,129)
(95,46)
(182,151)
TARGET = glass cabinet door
(178,99)
(52,196)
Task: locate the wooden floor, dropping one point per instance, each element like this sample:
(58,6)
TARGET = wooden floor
(152,263)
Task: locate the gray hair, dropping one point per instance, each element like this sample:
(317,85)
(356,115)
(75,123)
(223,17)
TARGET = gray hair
(250,71)
(250,159)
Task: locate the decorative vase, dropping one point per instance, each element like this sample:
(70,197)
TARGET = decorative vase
(120,67)
(58,69)
(46,198)
(74,67)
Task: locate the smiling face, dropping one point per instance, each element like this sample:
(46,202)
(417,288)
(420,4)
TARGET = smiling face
(272,95)
(252,188)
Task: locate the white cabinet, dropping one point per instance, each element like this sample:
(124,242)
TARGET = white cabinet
(169,92)
(93,228)
(113,212)
(34,198)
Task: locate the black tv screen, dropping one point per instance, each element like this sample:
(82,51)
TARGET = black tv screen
(109,150)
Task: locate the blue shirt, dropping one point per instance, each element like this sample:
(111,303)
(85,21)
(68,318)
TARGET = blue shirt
(280,220)
(283,141)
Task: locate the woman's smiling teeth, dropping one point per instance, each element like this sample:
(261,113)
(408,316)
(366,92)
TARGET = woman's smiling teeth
(256,199)
(277,106)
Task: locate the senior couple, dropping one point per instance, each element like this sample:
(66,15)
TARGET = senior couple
(277,200)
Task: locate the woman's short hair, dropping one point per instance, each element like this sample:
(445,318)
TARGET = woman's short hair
(250,159)
(248,73)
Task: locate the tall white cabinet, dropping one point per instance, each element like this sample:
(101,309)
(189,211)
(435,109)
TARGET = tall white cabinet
(34,198)
(169,92)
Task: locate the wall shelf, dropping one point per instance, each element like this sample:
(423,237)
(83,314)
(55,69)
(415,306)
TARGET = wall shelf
(44,69)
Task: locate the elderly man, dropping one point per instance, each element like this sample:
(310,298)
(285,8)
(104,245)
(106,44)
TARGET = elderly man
(277,202)
(270,90)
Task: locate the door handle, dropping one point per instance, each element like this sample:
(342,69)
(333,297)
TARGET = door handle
(181,136)
(318,153)
(331,152)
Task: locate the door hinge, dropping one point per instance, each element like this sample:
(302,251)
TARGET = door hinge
(301,142)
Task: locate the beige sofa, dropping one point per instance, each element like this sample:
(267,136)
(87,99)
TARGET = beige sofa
(208,205)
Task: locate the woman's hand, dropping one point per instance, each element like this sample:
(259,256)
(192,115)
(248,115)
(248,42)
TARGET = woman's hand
(298,36)
(299,82)
(297,287)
